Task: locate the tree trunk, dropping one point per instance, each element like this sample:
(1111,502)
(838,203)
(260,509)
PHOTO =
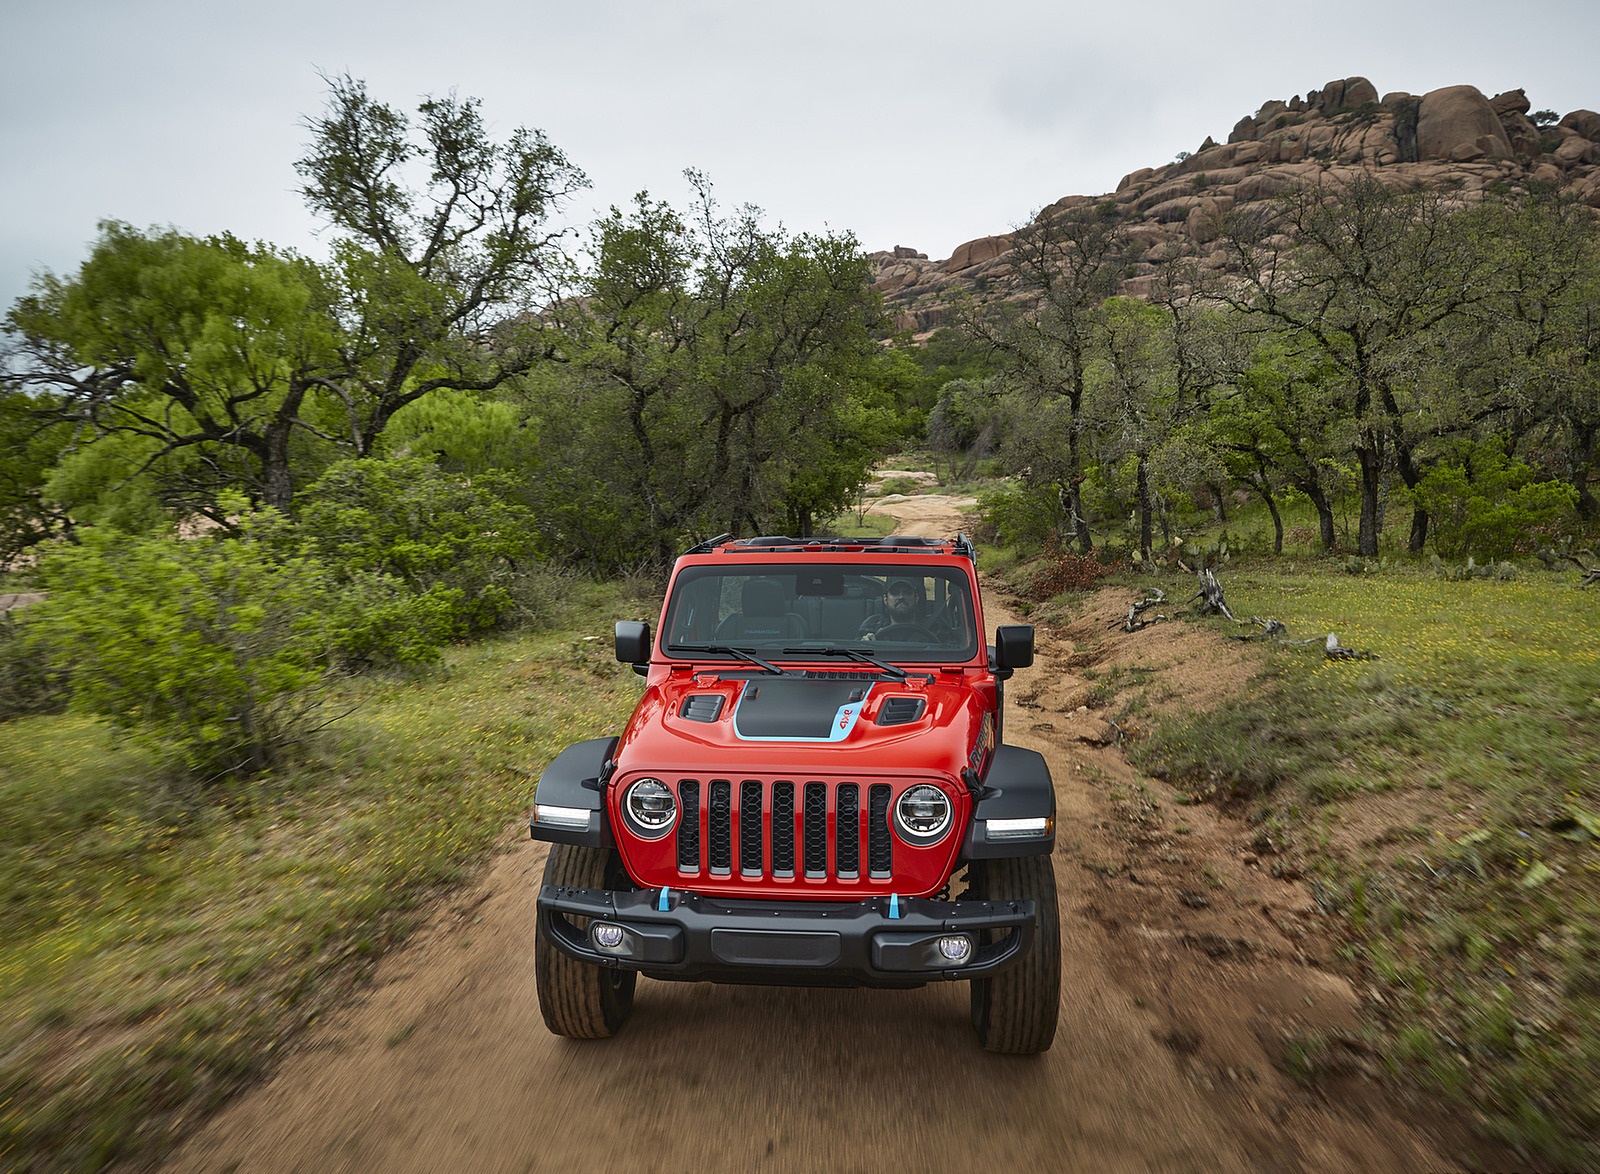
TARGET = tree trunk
(1219,508)
(1371,513)
(1143,477)
(1080,524)
(1277,519)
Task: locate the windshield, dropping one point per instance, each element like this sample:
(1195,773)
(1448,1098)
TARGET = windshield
(889,612)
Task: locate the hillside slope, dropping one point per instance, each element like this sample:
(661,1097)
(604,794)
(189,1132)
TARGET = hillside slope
(1451,138)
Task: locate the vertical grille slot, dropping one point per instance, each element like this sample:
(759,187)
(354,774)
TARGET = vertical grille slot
(847,831)
(719,829)
(751,857)
(689,825)
(782,829)
(880,848)
(816,830)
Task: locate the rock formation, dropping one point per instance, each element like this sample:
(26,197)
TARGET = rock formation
(1451,137)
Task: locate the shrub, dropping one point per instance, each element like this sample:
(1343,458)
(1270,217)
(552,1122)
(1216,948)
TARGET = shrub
(1026,516)
(455,541)
(1065,571)
(1487,504)
(207,650)
(28,685)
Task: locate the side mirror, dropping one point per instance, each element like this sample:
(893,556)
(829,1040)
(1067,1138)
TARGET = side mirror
(633,642)
(1013,647)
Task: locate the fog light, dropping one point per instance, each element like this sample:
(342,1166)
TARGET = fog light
(955,948)
(605,935)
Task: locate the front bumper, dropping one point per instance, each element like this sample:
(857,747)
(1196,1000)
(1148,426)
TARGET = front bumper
(877,942)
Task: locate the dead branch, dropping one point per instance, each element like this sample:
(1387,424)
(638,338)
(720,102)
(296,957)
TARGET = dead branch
(1133,621)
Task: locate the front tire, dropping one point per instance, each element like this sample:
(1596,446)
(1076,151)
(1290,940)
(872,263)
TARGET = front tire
(580,1000)
(1015,1011)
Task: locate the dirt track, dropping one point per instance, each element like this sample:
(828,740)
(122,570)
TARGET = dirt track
(1190,975)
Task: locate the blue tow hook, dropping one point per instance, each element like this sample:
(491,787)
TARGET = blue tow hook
(661,902)
(894,906)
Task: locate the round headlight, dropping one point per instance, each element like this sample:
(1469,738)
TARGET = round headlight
(651,808)
(923,813)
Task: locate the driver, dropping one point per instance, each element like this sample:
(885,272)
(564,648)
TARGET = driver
(902,604)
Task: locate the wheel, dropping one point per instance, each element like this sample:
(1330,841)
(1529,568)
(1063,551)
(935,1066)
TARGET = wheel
(1015,1011)
(580,1000)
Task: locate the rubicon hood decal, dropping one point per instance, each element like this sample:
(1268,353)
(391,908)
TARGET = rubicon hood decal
(798,710)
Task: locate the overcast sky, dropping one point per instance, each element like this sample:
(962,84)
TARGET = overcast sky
(922,123)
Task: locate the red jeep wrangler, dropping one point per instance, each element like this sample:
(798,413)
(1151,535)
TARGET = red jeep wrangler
(813,791)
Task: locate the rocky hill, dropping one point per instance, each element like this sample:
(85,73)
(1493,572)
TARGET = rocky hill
(1453,136)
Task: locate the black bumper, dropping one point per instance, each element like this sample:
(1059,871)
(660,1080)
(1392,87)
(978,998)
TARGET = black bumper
(877,942)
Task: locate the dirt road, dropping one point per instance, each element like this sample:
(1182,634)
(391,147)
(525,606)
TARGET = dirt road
(1190,983)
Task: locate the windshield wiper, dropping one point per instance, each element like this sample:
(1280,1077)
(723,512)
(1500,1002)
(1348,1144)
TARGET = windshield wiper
(729,650)
(856,654)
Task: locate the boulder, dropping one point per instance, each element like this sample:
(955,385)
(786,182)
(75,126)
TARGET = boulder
(1204,224)
(1521,133)
(1510,102)
(1172,211)
(1585,122)
(904,254)
(985,248)
(1134,178)
(1352,91)
(1243,131)
(1576,150)
(1458,118)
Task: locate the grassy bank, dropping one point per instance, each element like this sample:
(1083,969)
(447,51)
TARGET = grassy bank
(157,947)
(1443,798)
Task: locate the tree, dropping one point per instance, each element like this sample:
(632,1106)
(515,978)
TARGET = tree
(30,445)
(441,286)
(1068,262)
(1528,361)
(189,365)
(1368,279)
(1133,396)
(717,368)
(1279,422)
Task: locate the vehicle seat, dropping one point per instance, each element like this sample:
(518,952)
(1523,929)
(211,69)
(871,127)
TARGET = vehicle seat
(763,615)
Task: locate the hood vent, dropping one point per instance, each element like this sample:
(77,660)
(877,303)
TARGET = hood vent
(702,707)
(897,711)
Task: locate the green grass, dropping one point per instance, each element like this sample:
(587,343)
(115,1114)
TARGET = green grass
(156,949)
(1468,753)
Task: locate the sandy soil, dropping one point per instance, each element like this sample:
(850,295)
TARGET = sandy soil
(1192,977)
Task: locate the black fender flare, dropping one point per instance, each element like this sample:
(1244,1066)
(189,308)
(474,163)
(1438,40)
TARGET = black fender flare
(575,782)
(1017,785)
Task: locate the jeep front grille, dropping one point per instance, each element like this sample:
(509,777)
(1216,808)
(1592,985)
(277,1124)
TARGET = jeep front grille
(777,825)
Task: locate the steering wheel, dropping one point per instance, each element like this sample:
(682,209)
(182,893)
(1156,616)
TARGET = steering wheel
(906,632)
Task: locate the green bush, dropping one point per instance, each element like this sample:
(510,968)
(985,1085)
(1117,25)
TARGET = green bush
(28,685)
(209,651)
(456,542)
(1488,505)
(1025,516)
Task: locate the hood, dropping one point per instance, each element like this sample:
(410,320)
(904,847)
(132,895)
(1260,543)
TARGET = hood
(827,721)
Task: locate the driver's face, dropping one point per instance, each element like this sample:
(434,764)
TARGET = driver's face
(900,602)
